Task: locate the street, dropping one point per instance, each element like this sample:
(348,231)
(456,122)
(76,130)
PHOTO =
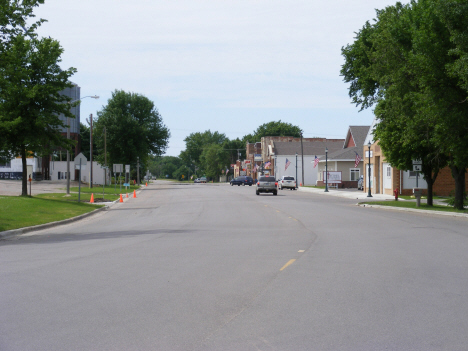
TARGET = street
(215,267)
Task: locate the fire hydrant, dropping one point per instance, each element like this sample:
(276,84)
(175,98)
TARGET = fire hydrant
(395,192)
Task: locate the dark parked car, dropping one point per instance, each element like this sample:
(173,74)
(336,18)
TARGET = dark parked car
(242,180)
(267,184)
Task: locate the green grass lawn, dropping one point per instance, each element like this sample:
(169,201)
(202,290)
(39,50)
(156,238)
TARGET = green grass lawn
(423,206)
(20,211)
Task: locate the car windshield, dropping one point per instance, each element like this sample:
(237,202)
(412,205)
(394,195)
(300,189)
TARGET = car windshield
(267,179)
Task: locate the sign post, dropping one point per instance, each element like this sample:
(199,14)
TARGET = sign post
(80,163)
(417,167)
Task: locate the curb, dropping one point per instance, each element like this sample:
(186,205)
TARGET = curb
(19,231)
(9,233)
(429,212)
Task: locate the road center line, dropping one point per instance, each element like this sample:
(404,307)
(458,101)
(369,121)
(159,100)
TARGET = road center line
(290,262)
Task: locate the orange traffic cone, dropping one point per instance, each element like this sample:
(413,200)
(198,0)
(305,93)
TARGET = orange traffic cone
(92,199)
(146,184)
(127,195)
(121,200)
(134,193)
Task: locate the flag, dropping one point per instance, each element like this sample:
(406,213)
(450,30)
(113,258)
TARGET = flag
(227,170)
(255,167)
(357,160)
(267,164)
(316,161)
(287,164)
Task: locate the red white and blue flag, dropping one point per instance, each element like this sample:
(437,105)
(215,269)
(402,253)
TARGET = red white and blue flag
(357,160)
(267,164)
(316,161)
(287,164)
(227,170)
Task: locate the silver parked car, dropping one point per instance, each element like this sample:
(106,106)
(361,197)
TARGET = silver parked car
(267,184)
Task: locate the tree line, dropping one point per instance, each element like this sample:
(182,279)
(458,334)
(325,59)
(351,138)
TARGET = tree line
(211,153)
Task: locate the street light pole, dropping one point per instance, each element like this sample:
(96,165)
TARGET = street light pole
(68,138)
(296,171)
(326,169)
(369,173)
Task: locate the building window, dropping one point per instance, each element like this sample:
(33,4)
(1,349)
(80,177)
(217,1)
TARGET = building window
(389,172)
(412,174)
(355,173)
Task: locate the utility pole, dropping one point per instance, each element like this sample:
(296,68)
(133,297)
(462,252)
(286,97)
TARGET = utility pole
(138,170)
(90,121)
(302,153)
(105,156)
(68,157)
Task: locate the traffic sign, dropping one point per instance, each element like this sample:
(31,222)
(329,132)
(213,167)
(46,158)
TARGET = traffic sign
(417,168)
(417,162)
(127,168)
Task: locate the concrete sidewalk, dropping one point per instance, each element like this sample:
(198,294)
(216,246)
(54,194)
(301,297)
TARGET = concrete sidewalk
(348,193)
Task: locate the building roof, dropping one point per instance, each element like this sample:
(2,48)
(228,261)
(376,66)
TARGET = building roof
(358,133)
(310,147)
(344,154)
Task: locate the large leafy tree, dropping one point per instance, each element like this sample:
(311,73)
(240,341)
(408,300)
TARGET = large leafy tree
(134,129)
(214,159)
(30,84)
(196,143)
(407,64)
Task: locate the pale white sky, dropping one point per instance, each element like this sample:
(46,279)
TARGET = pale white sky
(227,66)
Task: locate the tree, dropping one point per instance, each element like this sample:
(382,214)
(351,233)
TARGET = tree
(134,128)
(30,84)
(273,129)
(214,159)
(405,64)
(196,143)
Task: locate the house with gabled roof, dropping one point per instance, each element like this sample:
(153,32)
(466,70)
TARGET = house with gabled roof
(347,160)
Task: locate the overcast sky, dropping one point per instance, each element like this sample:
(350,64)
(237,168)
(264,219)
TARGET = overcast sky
(225,65)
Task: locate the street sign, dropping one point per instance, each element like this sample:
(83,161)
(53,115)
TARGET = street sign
(247,162)
(83,167)
(83,160)
(417,162)
(417,168)
(118,168)
(127,168)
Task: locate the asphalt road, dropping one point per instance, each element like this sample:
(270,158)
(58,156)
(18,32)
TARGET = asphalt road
(214,267)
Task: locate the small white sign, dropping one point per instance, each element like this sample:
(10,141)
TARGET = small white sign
(417,168)
(83,167)
(417,162)
(127,168)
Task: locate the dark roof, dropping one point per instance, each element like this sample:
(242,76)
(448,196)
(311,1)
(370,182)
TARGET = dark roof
(358,133)
(310,147)
(344,154)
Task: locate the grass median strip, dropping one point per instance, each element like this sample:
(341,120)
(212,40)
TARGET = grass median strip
(411,204)
(19,212)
